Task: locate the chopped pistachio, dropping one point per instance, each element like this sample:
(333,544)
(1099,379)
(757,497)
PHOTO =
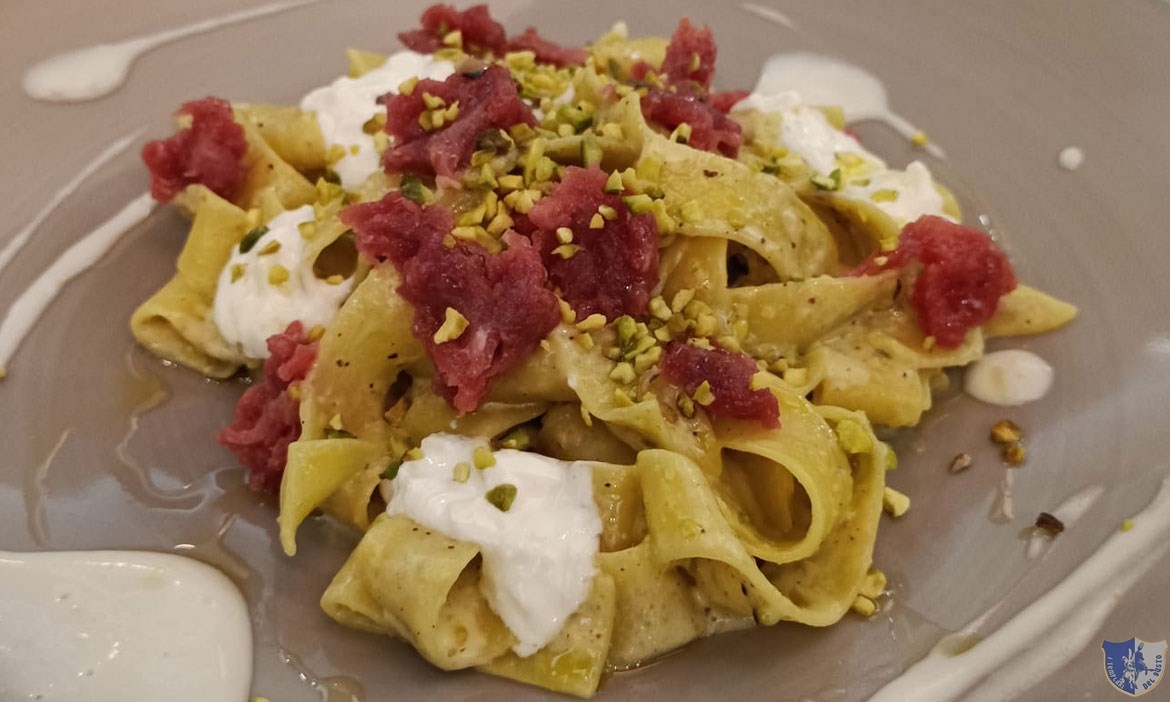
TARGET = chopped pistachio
(454,324)
(1126,525)
(827,182)
(433,102)
(1006,431)
(519,439)
(461,472)
(884,195)
(647,359)
(597,221)
(502,496)
(613,130)
(237,271)
(269,248)
(681,299)
(613,184)
(761,380)
(895,503)
(414,454)
(960,463)
(659,309)
(1049,523)
(567,250)
(413,189)
(1013,453)
(623,373)
(592,322)
(591,151)
(406,87)
(483,457)
(686,406)
(277,274)
(249,240)
(703,394)
(565,235)
(568,316)
(621,398)
(681,133)
(919,138)
(585,341)
(639,204)
(391,471)
(511,182)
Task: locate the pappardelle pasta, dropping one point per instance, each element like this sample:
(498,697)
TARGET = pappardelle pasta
(590,353)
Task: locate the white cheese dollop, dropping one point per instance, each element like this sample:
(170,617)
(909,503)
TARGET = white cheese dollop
(1008,378)
(251,308)
(538,555)
(344,106)
(110,626)
(806,132)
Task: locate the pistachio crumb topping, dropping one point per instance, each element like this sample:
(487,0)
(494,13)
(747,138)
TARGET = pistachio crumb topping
(237,271)
(919,138)
(483,457)
(502,496)
(277,275)
(462,472)
(454,324)
(1005,431)
(597,221)
(1126,525)
(592,323)
(961,463)
(414,454)
(703,394)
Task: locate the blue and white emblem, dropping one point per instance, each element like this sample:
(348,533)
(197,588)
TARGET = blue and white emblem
(1134,666)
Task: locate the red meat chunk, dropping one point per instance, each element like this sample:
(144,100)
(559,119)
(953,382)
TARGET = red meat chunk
(962,274)
(482,35)
(728,99)
(729,375)
(268,418)
(690,56)
(210,152)
(615,267)
(503,297)
(547,51)
(711,129)
(486,101)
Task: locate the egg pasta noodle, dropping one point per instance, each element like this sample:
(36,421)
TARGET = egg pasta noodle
(707,523)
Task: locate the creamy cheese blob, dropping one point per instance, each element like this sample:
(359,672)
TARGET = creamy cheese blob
(252,302)
(344,107)
(537,555)
(111,626)
(805,131)
(1008,378)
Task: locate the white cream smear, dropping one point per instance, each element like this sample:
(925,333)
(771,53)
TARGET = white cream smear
(825,80)
(110,626)
(538,555)
(77,259)
(249,308)
(1070,158)
(17,242)
(1070,614)
(806,132)
(1008,378)
(344,106)
(96,71)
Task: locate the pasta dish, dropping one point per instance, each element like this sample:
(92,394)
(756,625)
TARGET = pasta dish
(590,353)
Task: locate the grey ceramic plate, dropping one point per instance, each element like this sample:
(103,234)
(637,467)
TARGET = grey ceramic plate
(1003,85)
